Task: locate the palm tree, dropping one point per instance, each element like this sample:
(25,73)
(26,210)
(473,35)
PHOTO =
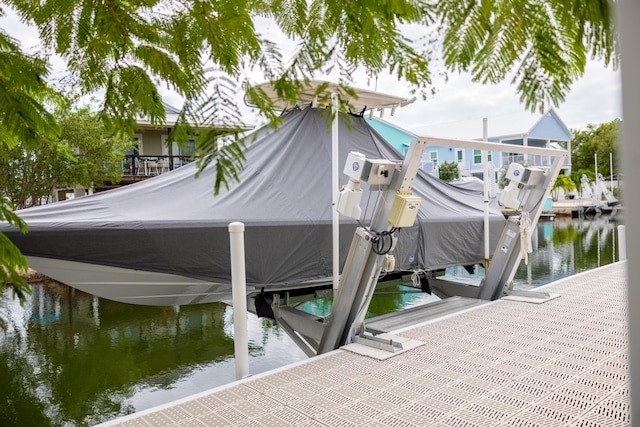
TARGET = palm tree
(563,182)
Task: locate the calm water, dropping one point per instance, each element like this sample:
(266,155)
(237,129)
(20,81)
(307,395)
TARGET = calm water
(562,248)
(68,358)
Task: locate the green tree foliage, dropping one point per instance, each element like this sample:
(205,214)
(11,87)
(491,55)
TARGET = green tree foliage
(98,153)
(603,140)
(127,49)
(448,171)
(12,263)
(24,94)
(563,182)
(84,154)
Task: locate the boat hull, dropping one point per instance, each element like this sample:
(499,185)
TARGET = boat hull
(145,287)
(132,286)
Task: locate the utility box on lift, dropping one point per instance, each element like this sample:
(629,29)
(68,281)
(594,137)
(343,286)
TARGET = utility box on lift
(404,210)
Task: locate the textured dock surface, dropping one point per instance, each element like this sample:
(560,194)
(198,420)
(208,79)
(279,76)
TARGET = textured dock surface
(561,363)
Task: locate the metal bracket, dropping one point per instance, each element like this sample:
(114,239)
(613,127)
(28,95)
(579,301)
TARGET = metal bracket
(528,294)
(386,344)
(535,297)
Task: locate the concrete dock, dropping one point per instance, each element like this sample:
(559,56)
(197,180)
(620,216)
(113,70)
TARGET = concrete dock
(563,362)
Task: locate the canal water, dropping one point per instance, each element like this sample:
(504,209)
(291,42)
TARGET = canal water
(68,358)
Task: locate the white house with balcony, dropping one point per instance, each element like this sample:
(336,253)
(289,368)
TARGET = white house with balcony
(523,129)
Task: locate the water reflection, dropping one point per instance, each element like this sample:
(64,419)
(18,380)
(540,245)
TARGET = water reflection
(389,297)
(68,358)
(565,247)
(561,248)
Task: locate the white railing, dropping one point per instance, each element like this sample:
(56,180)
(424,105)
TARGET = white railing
(152,165)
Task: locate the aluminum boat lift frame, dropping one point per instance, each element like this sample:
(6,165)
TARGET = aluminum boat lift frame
(345,323)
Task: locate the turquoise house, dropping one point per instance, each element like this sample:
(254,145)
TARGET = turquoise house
(519,129)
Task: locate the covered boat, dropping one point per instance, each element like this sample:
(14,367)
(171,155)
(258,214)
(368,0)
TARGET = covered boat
(165,241)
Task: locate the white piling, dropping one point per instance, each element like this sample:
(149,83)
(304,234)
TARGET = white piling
(622,242)
(239,296)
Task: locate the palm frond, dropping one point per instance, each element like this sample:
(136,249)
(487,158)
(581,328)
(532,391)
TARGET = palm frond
(543,44)
(132,87)
(23,94)
(216,123)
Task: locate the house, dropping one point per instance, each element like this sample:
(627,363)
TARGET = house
(521,129)
(151,155)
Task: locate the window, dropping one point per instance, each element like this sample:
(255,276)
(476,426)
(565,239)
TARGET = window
(477,157)
(433,157)
(180,155)
(186,150)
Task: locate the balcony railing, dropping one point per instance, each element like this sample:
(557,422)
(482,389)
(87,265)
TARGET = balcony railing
(531,160)
(137,165)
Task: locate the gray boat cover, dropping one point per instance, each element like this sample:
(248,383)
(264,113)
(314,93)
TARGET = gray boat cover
(173,223)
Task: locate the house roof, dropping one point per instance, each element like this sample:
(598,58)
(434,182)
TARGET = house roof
(172,114)
(514,125)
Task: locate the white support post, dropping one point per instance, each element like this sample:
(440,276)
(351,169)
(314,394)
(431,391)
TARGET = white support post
(626,18)
(622,243)
(239,296)
(335,182)
(485,175)
(611,171)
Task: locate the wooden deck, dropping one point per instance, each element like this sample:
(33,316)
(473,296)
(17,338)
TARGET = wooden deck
(506,363)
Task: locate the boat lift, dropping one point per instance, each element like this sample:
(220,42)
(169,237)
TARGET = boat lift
(595,195)
(372,246)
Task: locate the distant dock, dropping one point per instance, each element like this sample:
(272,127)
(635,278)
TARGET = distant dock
(564,208)
(510,362)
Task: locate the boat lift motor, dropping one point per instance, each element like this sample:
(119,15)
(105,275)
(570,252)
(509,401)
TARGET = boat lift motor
(508,197)
(521,179)
(377,173)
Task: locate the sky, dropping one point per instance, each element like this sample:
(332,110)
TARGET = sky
(593,99)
